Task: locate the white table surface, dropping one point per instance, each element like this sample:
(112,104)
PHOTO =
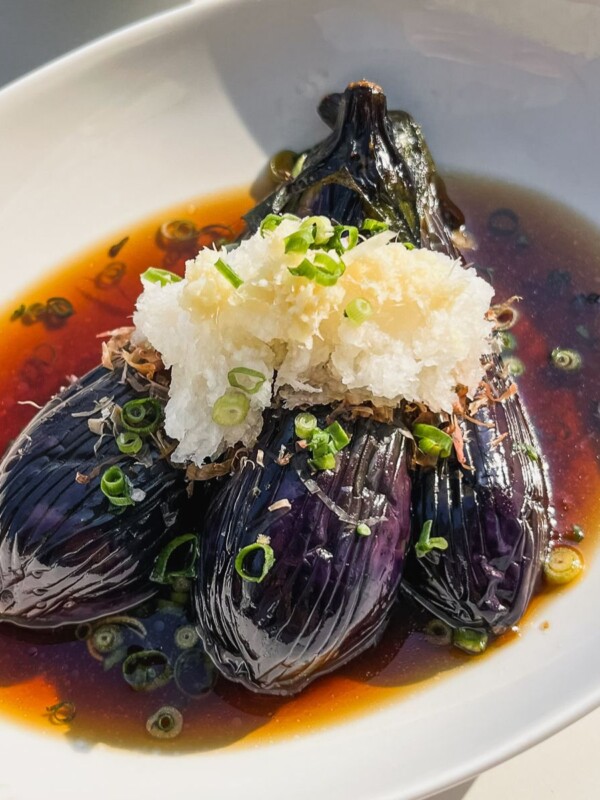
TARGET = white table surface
(32,32)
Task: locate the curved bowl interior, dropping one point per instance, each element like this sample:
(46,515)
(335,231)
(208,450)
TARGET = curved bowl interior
(192,102)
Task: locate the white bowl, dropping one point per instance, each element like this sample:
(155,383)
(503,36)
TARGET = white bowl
(194,101)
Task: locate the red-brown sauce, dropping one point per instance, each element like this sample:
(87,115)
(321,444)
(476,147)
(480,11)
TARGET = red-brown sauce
(540,251)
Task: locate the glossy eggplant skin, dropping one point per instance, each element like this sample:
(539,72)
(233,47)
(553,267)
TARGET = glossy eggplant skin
(330,591)
(66,554)
(494,513)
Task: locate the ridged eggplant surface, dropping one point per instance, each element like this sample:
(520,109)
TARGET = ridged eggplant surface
(66,554)
(330,591)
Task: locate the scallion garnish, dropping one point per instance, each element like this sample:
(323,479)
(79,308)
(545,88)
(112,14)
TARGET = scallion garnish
(231,408)
(272,221)
(358,310)
(328,269)
(530,451)
(576,533)
(160,276)
(115,487)
(374,225)
(176,560)
(305,269)
(426,543)
(469,640)
(408,245)
(322,229)
(563,565)
(323,461)
(299,241)
(147,670)
(566,359)
(363,530)
(59,307)
(432,440)
(304,425)
(254,561)
(236,379)
(338,435)
(230,275)
(129,443)
(345,237)
(142,416)
(166,723)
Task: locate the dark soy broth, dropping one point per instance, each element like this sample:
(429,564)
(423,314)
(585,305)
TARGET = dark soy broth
(528,245)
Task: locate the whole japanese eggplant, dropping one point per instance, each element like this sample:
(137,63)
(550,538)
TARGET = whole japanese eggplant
(329,590)
(66,554)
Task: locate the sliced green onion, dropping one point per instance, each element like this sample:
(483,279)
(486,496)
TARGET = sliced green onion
(142,416)
(374,225)
(249,387)
(344,238)
(186,637)
(508,341)
(178,234)
(338,435)
(358,310)
(323,461)
(147,670)
(408,245)
(531,453)
(322,229)
(244,567)
(426,543)
(437,632)
(129,443)
(576,533)
(305,269)
(231,408)
(60,307)
(565,359)
(176,560)
(62,713)
(472,642)
(106,638)
(363,530)
(514,366)
(299,241)
(166,723)
(563,565)
(432,440)
(160,276)
(115,487)
(305,424)
(272,221)
(328,269)
(298,166)
(230,275)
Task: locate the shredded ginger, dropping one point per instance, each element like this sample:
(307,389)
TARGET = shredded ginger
(426,334)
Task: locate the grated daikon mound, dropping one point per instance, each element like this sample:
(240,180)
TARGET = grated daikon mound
(426,334)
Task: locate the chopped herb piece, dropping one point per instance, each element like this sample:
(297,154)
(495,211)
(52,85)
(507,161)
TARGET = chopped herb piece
(426,544)
(305,269)
(470,641)
(507,340)
(566,359)
(231,408)
(338,435)
(322,229)
(254,561)
(230,275)
(408,245)
(129,443)
(60,307)
(374,225)
(323,461)
(530,451)
(110,275)
(576,533)
(147,670)
(186,637)
(142,416)
(305,424)
(514,366)
(106,639)
(160,276)
(116,248)
(18,312)
(438,632)
(272,221)
(432,440)
(299,166)
(62,713)
(358,310)
(34,313)
(563,565)
(236,375)
(166,723)
(328,269)
(176,560)
(363,530)
(300,240)
(115,487)
(178,234)
(344,238)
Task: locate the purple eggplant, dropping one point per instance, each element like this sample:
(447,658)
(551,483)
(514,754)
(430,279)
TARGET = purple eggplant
(66,554)
(492,509)
(329,592)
